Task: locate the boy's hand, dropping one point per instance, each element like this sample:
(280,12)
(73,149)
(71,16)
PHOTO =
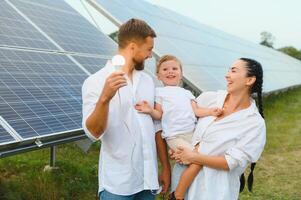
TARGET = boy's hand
(143,107)
(216,112)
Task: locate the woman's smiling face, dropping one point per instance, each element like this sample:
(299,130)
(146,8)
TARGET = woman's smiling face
(237,79)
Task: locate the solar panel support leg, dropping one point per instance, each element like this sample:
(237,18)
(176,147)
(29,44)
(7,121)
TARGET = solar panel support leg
(52,156)
(51,165)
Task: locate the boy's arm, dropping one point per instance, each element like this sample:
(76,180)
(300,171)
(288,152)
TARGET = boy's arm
(200,111)
(204,112)
(144,107)
(157,112)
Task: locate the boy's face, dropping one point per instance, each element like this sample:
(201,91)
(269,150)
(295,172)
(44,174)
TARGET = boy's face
(170,73)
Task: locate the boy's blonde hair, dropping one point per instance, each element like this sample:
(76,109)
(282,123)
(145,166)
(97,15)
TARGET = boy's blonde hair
(167,58)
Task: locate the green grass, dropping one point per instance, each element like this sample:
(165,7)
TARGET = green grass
(277,174)
(22,176)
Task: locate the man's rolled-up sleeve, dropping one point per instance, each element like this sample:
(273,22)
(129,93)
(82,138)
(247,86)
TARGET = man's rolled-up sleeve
(90,97)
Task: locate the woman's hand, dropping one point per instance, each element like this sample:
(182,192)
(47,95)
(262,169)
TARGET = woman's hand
(183,155)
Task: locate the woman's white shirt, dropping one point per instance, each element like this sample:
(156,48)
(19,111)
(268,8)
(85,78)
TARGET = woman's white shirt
(240,137)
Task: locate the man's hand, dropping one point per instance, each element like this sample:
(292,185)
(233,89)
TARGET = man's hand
(164,179)
(113,82)
(165,175)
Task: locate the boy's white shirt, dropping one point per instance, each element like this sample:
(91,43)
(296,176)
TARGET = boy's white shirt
(128,159)
(178,116)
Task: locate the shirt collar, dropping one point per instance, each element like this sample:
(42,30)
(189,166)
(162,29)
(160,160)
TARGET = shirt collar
(251,110)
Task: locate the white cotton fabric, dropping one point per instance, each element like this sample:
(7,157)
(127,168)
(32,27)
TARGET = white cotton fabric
(178,116)
(128,159)
(240,137)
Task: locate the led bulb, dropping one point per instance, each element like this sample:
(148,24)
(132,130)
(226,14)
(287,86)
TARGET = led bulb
(118,61)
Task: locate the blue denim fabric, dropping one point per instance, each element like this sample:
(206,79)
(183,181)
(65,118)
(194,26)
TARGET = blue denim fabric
(143,195)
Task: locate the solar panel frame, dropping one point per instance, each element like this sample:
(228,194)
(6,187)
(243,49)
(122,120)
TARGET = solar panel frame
(5,136)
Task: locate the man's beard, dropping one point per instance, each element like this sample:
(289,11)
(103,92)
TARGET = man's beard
(138,65)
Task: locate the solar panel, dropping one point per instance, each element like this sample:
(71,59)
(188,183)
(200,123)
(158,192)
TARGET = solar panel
(206,53)
(40,92)
(92,64)
(16,31)
(46,52)
(66,27)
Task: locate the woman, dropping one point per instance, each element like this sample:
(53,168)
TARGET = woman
(228,143)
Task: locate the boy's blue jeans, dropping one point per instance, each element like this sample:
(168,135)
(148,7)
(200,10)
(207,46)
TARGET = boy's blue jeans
(143,195)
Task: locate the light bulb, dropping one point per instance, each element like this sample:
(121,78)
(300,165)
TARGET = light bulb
(118,61)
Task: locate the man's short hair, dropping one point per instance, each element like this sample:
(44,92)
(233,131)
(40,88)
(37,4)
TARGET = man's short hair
(134,30)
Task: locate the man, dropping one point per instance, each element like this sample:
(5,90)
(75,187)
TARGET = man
(128,162)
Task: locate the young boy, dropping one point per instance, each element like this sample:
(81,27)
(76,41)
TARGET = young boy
(177,110)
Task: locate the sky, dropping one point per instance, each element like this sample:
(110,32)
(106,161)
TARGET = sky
(246,19)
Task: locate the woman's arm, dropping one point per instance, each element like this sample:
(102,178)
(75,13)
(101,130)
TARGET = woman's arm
(186,156)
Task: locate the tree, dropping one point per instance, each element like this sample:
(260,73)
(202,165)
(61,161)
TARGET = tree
(291,51)
(114,36)
(267,39)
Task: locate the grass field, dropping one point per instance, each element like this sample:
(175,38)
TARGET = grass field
(277,174)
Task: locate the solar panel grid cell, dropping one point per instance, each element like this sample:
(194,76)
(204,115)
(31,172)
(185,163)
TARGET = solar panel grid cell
(66,27)
(31,100)
(16,31)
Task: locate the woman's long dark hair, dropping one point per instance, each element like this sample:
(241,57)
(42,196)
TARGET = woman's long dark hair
(254,69)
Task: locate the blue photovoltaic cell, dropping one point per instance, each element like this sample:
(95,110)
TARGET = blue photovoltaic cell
(16,31)
(5,136)
(40,93)
(206,53)
(66,27)
(92,64)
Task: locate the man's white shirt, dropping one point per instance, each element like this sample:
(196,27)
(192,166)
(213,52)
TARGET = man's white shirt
(128,158)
